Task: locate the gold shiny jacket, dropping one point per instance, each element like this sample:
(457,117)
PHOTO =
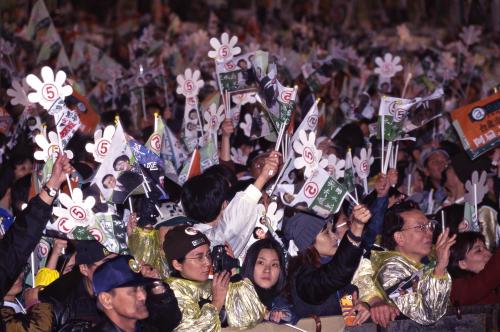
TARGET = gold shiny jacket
(243,307)
(144,245)
(363,279)
(411,286)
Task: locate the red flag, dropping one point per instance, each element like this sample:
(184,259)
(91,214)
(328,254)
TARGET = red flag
(194,164)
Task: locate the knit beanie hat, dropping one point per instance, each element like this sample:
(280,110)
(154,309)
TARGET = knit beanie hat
(302,229)
(181,240)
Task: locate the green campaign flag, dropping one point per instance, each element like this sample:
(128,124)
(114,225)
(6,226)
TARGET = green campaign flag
(320,193)
(393,111)
(349,177)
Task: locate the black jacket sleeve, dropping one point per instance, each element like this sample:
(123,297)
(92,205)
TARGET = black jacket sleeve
(164,312)
(20,240)
(315,285)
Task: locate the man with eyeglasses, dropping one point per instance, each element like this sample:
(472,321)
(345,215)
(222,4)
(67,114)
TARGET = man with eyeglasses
(420,291)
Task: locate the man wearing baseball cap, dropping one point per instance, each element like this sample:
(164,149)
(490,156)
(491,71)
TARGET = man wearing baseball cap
(121,295)
(71,295)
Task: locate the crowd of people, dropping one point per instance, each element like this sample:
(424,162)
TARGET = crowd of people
(184,189)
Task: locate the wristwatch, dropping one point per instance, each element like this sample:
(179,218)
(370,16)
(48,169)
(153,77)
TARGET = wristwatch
(50,191)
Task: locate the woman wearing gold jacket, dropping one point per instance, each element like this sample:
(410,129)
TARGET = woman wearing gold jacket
(201,301)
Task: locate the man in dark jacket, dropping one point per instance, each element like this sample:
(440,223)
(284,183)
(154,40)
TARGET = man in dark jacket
(121,295)
(71,295)
(23,236)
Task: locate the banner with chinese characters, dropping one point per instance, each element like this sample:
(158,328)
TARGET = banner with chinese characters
(478,125)
(320,193)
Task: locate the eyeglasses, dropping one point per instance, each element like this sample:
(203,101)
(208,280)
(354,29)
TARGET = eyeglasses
(423,227)
(200,257)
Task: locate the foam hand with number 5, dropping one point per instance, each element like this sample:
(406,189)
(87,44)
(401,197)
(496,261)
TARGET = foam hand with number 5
(310,156)
(76,212)
(362,164)
(49,89)
(102,143)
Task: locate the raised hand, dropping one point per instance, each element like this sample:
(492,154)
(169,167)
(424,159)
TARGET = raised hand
(269,170)
(361,214)
(443,245)
(227,128)
(60,169)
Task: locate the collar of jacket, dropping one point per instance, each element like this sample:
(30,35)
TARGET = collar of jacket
(378,259)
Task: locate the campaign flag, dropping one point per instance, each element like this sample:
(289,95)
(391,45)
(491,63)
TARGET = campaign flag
(192,167)
(39,19)
(152,168)
(155,141)
(172,150)
(314,78)
(320,193)
(63,61)
(398,119)
(67,121)
(235,75)
(309,123)
(349,172)
(84,52)
(478,125)
(285,105)
(393,111)
(209,155)
(51,44)
(116,177)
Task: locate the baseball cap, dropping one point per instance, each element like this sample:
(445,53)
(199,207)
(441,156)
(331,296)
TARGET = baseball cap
(121,271)
(88,252)
(172,215)
(181,240)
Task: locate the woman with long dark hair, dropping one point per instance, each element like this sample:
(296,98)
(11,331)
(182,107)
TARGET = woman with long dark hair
(265,266)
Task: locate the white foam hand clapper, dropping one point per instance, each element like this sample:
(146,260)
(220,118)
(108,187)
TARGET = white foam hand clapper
(335,167)
(49,89)
(481,188)
(470,35)
(246,125)
(102,143)
(274,215)
(224,49)
(189,84)
(238,157)
(244,98)
(389,66)
(362,164)
(19,93)
(213,118)
(310,156)
(50,147)
(76,211)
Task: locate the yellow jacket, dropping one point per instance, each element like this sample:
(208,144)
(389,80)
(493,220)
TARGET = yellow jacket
(411,286)
(243,307)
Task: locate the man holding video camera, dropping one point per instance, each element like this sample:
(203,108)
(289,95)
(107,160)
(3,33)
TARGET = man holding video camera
(207,305)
